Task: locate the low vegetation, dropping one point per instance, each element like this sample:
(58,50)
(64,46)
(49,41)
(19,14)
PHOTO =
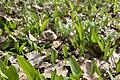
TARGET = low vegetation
(59,40)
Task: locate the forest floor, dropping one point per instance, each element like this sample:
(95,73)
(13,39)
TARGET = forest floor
(76,40)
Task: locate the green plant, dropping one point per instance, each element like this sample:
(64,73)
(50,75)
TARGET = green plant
(29,70)
(94,68)
(5,72)
(75,68)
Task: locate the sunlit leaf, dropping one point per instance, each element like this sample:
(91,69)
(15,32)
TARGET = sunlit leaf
(12,24)
(73,77)
(107,47)
(94,68)
(111,51)
(80,31)
(28,69)
(60,77)
(118,66)
(21,47)
(7,29)
(53,75)
(44,25)
(3,69)
(64,50)
(75,67)
(6,43)
(53,56)
(12,73)
(101,45)
(71,6)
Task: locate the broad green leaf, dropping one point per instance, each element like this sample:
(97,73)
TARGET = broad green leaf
(74,42)
(6,43)
(116,8)
(100,45)
(93,38)
(80,31)
(53,75)
(12,25)
(6,28)
(118,66)
(16,46)
(60,77)
(64,50)
(21,47)
(93,32)
(105,19)
(3,74)
(1,32)
(39,77)
(111,51)
(12,73)
(3,69)
(94,68)
(44,25)
(82,48)
(73,77)
(56,12)
(71,6)
(75,68)
(107,47)
(28,69)
(53,56)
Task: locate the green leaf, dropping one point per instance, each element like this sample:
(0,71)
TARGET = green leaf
(21,47)
(82,48)
(28,69)
(73,77)
(93,32)
(54,55)
(74,42)
(12,73)
(6,28)
(53,75)
(12,25)
(44,25)
(79,29)
(1,32)
(16,46)
(35,46)
(6,43)
(64,50)
(101,45)
(107,47)
(39,77)
(71,6)
(2,74)
(75,68)
(60,77)
(3,69)
(94,68)
(118,66)
(111,51)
